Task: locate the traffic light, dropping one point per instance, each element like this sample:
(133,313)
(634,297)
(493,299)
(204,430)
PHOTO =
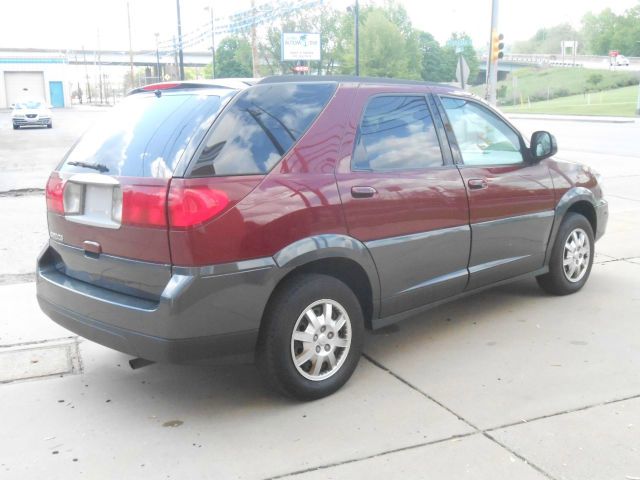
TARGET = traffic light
(496,46)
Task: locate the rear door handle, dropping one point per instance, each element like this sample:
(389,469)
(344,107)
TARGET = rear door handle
(477,183)
(363,192)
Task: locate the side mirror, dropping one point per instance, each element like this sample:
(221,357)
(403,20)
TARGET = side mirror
(543,145)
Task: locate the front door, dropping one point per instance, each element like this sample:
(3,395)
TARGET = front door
(403,200)
(511,199)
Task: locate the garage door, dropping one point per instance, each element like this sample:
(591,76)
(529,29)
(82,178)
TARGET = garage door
(20,85)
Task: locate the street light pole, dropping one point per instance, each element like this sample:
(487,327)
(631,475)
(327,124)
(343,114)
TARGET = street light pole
(492,63)
(130,49)
(213,43)
(180,53)
(357,35)
(158,73)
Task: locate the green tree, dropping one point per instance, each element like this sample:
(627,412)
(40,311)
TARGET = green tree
(382,48)
(547,40)
(233,59)
(607,31)
(433,66)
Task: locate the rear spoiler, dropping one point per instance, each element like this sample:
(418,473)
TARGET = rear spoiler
(228,83)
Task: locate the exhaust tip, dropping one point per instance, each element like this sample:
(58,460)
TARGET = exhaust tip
(136,363)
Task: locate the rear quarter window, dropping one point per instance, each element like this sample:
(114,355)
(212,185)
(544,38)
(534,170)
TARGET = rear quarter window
(259,128)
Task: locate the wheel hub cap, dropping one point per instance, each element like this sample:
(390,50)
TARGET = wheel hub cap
(576,254)
(321,339)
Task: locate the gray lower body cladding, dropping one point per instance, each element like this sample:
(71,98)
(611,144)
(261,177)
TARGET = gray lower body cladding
(201,313)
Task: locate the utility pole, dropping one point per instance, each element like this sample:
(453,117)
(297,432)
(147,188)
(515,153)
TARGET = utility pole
(99,67)
(492,63)
(175,56)
(86,73)
(158,72)
(180,53)
(130,49)
(213,43)
(254,46)
(357,35)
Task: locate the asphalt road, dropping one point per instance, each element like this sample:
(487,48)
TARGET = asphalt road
(510,383)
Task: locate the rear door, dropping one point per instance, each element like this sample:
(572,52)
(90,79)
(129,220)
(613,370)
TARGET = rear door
(107,201)
(404,199)
(511,200)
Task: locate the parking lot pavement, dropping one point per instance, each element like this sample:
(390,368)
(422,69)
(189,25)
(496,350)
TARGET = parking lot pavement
(28,155)
(24,232)
(510,383)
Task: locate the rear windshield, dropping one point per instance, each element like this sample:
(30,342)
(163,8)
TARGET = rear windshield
(259,127)
(144,136)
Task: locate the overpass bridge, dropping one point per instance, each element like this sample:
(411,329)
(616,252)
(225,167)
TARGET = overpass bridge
(141,58)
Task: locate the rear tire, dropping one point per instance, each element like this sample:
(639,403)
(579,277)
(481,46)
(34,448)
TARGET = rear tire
(311,337)
(571,257)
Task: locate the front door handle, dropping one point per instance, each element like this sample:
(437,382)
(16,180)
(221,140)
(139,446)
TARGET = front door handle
(477,183)
(363,192)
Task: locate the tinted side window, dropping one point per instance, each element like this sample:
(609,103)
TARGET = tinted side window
(396,132)
(261,125)
(483,138)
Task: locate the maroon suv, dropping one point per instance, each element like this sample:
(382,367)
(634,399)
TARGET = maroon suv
(281,219)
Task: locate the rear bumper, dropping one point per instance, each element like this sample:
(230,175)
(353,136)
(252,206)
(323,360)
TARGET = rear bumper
(602,217)
(203,313)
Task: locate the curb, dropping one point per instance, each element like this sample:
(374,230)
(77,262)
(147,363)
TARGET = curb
(556,118)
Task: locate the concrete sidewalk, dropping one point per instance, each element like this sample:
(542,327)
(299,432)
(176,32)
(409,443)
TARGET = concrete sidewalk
(511,383)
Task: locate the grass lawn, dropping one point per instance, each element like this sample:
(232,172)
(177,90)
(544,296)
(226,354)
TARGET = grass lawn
(617,102)
(538,84)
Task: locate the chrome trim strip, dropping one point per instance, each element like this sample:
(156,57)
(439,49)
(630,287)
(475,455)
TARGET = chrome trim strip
(495,263)
(543,214)
(433,281)
(386,242)
(226,268)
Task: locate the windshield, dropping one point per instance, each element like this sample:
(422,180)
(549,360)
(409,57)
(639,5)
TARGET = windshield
(144,136)
(28,105)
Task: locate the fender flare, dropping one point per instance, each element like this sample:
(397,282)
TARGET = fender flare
(327,246)
(570,197)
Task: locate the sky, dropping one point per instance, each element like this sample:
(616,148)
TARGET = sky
(63,24)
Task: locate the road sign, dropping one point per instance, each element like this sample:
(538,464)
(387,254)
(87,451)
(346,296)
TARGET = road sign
(300,46)
(459,43)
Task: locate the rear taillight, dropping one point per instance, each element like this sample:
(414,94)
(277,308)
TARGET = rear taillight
(55,194)
(190,206)
(143,206)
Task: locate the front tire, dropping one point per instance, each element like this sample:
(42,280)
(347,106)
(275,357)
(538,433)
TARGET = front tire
(16,127)
(50,125)
(311,338)
(571,257)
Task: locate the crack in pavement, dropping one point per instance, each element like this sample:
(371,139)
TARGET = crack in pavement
(564,412)
(21,192)
(13,278)
(476,431)
(374,455)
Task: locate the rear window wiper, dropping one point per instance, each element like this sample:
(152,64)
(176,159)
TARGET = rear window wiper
(96,166)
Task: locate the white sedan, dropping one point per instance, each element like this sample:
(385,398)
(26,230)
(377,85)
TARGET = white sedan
(31,113)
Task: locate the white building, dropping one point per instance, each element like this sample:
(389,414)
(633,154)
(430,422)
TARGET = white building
(32,74)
